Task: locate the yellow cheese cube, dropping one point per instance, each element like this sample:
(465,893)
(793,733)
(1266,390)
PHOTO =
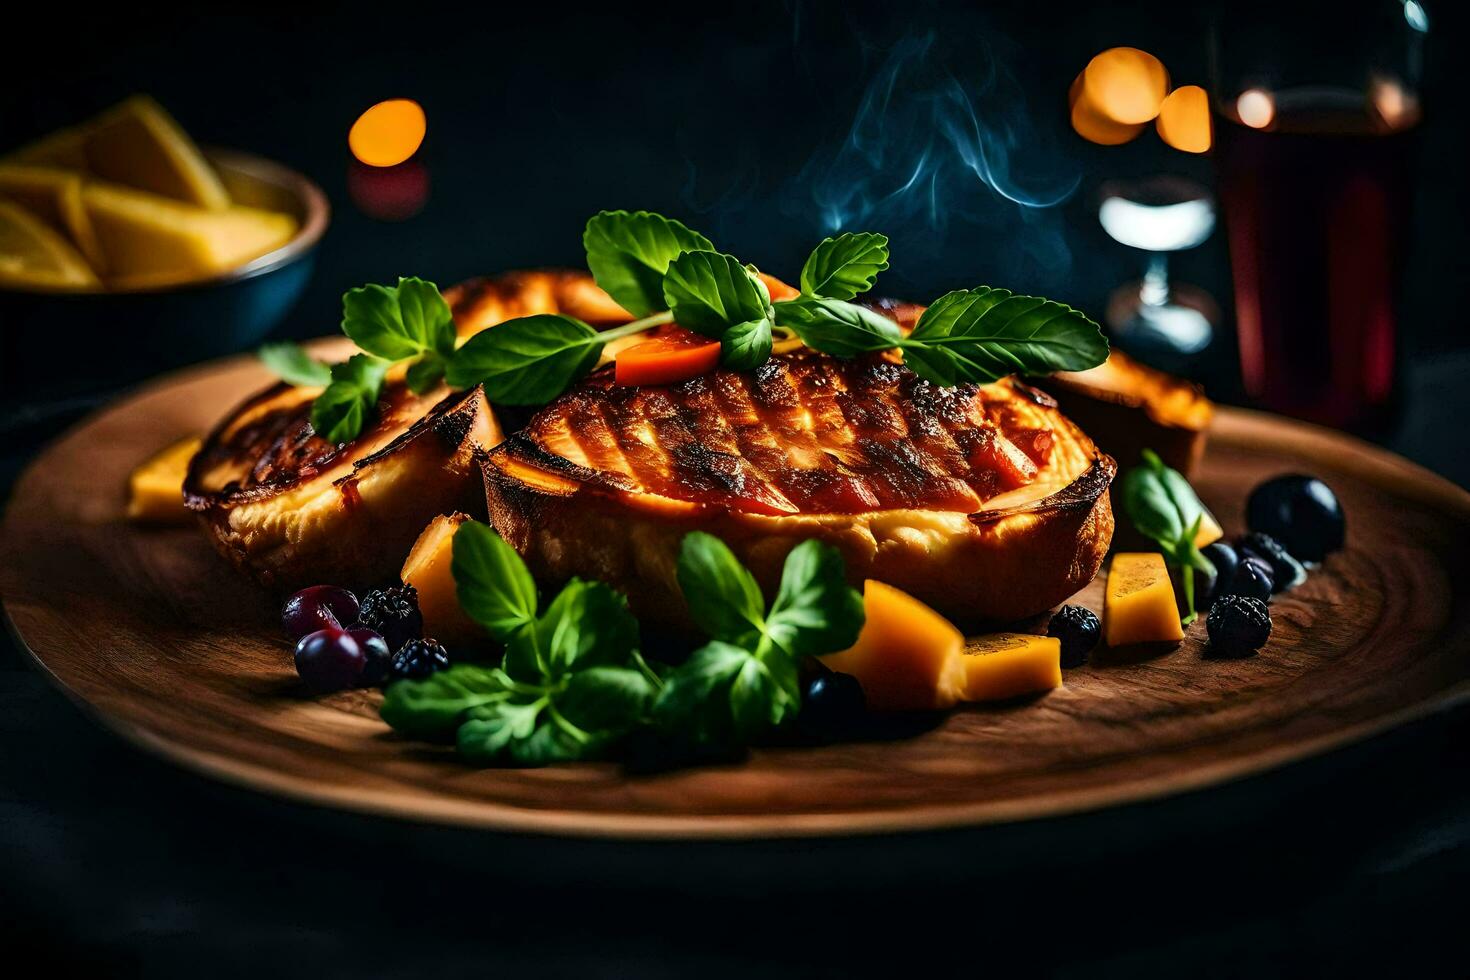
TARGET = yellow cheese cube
(1209,531)
(428,570)
(907,656)
(55,196)
(151,240)
(999,666)
(156,488)
(1139,604)
(137,143)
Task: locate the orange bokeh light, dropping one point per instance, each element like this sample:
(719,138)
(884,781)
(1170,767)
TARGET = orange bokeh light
(1184,119)
(1092,124)
(388,133)
(1125,85)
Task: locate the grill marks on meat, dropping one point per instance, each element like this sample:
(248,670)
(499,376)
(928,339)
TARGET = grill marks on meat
(803,433)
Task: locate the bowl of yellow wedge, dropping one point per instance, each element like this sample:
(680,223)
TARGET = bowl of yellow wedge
(132,249)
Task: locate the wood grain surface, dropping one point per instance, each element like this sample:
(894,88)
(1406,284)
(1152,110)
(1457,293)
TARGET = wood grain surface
(154,634)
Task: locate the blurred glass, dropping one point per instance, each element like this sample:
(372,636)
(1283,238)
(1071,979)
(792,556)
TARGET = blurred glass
(1316,111)
(1159,215)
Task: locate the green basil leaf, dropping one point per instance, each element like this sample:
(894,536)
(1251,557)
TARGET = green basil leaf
(695,701)
(845,266)
(629,252)
(492,729)
(425,374)
(587,625)
(292,364)
(835,327)
(815,611)
(607,700)
(746,345)
(398,322)
(494,587)
(722,596)
(725,693)
(526,361)
(556,739)
(710,292)
(343,408)
(982,335)
(438,703)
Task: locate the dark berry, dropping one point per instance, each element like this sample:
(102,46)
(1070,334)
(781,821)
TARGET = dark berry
(1301,512)
(318,608)
(834,705)
(1238,626)
(1226,561)
(417,659)
(329,660)
(377,659)
(1252,578)
(1078,629)
(394,614)
(1286,571)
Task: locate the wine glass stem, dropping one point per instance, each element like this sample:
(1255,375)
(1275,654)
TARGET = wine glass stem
(1155,288)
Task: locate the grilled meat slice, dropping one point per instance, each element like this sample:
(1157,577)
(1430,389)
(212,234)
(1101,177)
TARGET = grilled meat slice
(984,502)
(291,509)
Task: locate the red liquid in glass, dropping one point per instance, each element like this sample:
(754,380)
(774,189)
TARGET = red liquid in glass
(1315,207)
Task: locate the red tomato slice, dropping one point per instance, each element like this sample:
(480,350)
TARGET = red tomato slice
(673,354)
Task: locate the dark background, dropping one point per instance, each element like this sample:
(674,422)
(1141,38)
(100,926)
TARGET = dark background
(736,118)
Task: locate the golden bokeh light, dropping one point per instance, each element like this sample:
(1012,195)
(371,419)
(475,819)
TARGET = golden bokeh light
(1125,85)
(1091,124)
(1184,119)
(388,133)
(1255,108)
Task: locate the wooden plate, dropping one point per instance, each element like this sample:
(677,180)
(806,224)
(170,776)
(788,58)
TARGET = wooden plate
(167,646)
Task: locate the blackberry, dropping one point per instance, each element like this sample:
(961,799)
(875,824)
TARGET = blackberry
(1286,571)
(418,659)
(393,614)
(1078,630)
(1238,626)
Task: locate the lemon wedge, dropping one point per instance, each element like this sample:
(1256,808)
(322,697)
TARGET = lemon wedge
(55,196)
(150,240)
(34,256)
(139,144)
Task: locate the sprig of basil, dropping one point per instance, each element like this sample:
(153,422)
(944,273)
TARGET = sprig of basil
(712,293)
(744,681)
(526,361)
(340,412)
(1164,508)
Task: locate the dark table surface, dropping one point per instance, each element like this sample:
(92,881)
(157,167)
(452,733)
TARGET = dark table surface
(116,863)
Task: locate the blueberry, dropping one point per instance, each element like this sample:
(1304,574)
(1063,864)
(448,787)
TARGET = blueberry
(834,705)
(1253,578)
(319,607)
(394,614)
(329,660)
(1238,626)
(418,659)
(1078,629)
(1301,512)
(1226,561)
(1286,571)
(377,658)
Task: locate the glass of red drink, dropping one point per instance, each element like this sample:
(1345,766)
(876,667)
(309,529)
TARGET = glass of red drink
(1314,141)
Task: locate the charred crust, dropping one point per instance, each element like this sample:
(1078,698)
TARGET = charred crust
(1080,495)
(1035,395)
